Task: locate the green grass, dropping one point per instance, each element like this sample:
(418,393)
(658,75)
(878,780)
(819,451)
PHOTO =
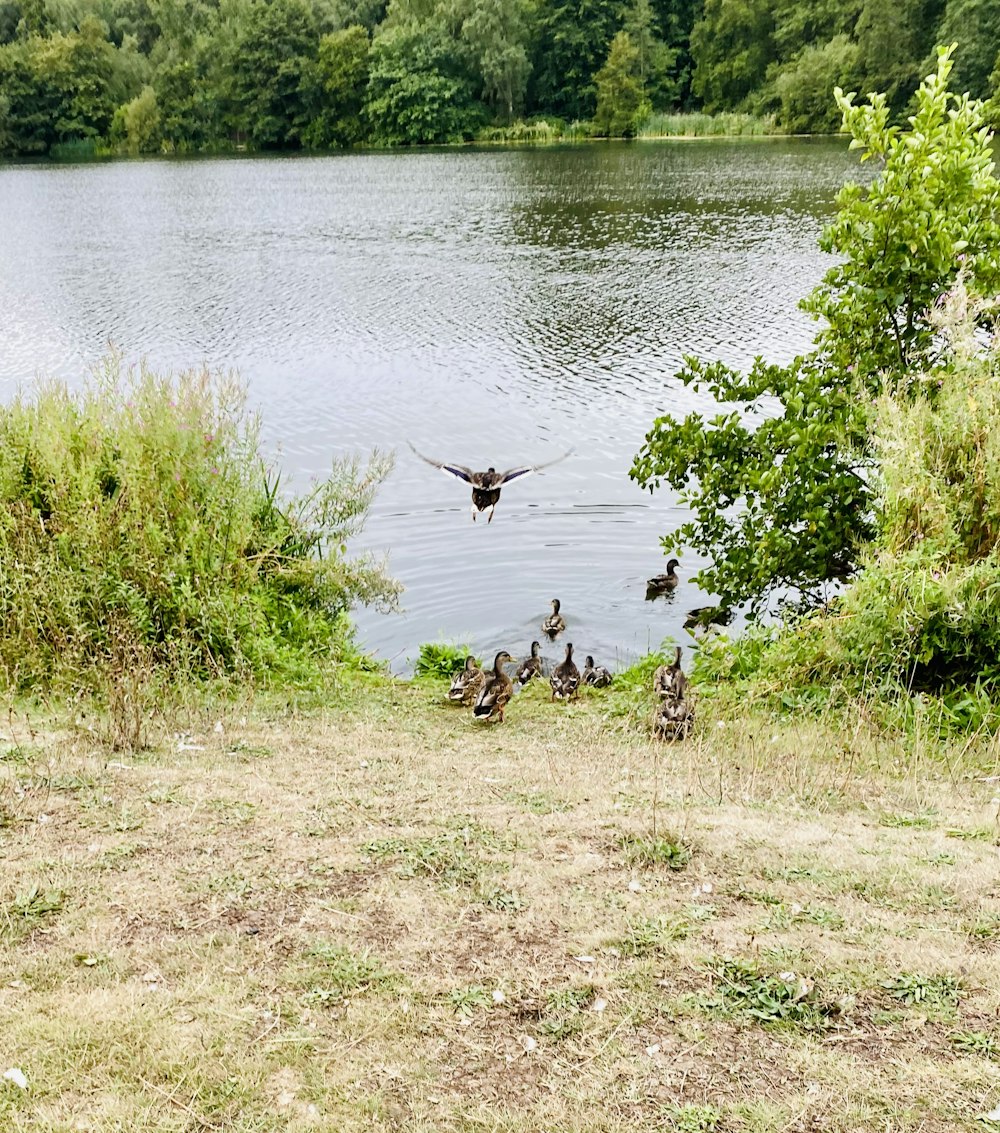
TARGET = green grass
(147,544)
(695,125)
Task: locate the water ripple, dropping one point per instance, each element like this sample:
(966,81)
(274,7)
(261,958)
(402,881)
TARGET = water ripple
(493,306)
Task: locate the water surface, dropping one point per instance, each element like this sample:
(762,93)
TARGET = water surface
(495,307)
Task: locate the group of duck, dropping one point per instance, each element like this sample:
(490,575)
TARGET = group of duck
(489,691)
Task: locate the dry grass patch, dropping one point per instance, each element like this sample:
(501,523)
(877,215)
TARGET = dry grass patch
(380,915)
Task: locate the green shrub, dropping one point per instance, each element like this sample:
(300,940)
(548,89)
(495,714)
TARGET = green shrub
(924,613)
(440,659)
(779,481)
(141,532)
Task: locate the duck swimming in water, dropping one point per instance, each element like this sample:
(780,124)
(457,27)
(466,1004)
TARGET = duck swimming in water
(486,485)
(663,583)
(555,623)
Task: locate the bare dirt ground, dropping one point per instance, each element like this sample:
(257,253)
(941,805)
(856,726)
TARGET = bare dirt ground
(384,916)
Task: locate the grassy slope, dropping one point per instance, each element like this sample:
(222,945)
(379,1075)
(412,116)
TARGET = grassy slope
(384,916)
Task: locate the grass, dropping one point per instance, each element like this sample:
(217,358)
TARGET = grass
(697,125)
(372,913)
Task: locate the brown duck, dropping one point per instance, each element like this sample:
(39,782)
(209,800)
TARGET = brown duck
(565,679)
(530,666)
(466,683)
(486,485)
(496,692)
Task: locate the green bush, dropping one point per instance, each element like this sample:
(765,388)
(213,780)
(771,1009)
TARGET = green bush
(779,479)
(440,660)
(924,613)
(141,531)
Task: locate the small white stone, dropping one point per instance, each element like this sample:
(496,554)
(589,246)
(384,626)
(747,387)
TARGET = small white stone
(635,886)
(42,819)
(599,1005)
(498,996)
(528,1044)
(707,887)
(654,1049)
(17,1077)
(218,729)
(584,959)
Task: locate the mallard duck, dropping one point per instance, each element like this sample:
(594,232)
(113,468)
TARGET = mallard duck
(595,675)
(530,666)
(673,715)
(673,719)
(486,485)
(663,583)
(565,679)
(709,618)
(496,691)
(669,680)
(555,623)
(466,683)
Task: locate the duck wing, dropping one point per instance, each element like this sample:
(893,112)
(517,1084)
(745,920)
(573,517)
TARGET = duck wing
(458,470)
(525,469)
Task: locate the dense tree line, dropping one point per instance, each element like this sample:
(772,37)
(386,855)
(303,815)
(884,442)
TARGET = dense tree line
(188,75)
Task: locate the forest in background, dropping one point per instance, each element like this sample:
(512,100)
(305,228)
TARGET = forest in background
(198,75)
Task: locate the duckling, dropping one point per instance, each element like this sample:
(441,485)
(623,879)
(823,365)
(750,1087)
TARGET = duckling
(595,675)
(496,691)
(466,683)
(530,666)
(555,623)
(669,681)
(663,583)
(565,679)
(486,485)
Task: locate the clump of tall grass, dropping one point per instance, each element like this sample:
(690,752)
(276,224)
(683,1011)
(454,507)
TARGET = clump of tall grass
(539,131)
(144,538)
(698,125)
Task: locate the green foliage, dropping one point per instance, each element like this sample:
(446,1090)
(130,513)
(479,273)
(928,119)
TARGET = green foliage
(440,659)
(692,125)
(271,63)
(621,101)
(295,73)
(418,91)
(496,32)
(693,1119)
(925,613)
(141,533)
(573,37)
(337,972)
(136,125)
(655,851)
(786,501)
(936,993)
(731,45)
(785,998)
(805,87)
(340,77)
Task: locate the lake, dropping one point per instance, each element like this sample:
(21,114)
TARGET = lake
(493,307)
